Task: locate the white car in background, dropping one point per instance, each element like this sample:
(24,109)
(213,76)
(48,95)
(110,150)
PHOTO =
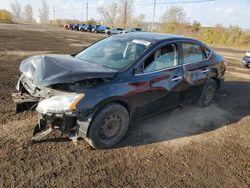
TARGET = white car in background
(135,29)
(246,59)
(115,31)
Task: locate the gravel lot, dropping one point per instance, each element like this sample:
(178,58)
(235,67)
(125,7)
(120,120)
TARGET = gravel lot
(189,147)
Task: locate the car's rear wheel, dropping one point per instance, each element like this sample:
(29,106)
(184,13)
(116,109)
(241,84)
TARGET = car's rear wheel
(108,127)
(208,94)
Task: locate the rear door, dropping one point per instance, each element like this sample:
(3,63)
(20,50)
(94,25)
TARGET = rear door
(195,59)
(158,81)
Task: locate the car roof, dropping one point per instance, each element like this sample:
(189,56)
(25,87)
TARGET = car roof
(154,37)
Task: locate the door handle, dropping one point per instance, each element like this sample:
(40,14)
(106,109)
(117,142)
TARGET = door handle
(176,78)
(205,71)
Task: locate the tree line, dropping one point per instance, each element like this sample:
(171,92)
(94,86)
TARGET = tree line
(174,20)
(25,13)
(121,13)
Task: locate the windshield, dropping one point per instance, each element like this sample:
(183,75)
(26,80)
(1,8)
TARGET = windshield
(114,52)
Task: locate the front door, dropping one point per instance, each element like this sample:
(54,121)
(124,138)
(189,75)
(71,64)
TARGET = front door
(160,81)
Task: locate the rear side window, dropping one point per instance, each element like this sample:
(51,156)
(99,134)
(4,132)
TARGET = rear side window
(192,53)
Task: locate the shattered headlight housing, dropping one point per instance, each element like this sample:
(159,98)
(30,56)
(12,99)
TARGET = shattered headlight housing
(59,103)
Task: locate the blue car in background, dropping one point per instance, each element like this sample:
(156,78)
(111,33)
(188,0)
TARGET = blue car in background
(77,26)
(81,27)
(94,27)
(87,27)
(246,59)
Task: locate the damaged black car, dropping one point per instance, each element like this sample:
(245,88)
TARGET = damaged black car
(96,93)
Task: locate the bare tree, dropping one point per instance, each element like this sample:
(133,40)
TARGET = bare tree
(109,13)
(16,9)
(174,14)
(126,10)
(28,13)
(117,14)
(44,11)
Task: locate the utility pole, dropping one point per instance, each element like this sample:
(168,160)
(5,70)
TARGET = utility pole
(125,14)
(153,21)
(87,11)
(184,2)
(54,14)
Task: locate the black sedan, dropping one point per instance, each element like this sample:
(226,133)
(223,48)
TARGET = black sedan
(96,93)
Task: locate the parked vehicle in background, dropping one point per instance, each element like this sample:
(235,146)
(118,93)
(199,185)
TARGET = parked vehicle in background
(97,93)
(135,29)
(66,26)
(114,31)
(246,59)
(94,27)
(81,27)
(76,26)
(70,26)
(101,29)
(88,27)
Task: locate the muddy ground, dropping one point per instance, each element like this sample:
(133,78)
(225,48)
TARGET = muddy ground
(189,147)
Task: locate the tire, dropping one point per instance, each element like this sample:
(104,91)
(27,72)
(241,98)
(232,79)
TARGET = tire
(108,126)
(208,94)
(108,33)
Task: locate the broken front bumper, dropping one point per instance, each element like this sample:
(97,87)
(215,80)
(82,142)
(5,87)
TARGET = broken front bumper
(72,124)
(24,102)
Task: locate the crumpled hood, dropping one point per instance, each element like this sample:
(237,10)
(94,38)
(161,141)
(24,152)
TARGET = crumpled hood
(46,70)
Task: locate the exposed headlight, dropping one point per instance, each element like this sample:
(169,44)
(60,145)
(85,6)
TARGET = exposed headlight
(59,103)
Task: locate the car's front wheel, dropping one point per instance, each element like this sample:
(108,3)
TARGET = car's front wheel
(108,126)
(208,94)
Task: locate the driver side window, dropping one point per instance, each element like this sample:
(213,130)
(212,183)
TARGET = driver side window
(163,58)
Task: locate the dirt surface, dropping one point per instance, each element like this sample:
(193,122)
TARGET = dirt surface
(189,147)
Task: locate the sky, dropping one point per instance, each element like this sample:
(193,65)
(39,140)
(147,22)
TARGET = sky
(225,12)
